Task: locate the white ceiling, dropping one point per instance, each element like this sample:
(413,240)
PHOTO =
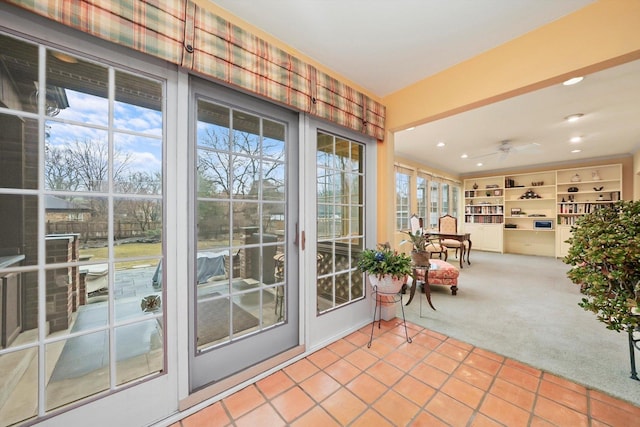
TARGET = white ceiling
(338,34)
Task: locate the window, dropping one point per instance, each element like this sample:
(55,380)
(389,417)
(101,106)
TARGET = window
(340,207)
(421,197)
(84,242)
(403,200)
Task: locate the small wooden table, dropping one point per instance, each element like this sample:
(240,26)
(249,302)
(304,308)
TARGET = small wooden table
(461,237)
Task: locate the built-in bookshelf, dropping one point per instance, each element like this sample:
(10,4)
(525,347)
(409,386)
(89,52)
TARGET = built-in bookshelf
(534,212)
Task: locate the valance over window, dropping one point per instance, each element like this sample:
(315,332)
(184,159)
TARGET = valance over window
(184,33)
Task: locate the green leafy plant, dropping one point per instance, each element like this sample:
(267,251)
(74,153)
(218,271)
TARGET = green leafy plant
(418,239)
(382,261)
(605,260)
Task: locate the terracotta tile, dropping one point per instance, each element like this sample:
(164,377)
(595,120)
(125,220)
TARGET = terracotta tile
(344,406)
(452,351)
(504,412)
(488,354)
(612,415)
(595,423)
(360,358)
(342,347)
(539,422)
(359,338)
(559,414)
(243,401)
(320,386)
(316,417)
(379,348)
(519,378)
(425,340)
(402,360)
(483,363)
(292,403)
(264,415)
(564,383)
(474,376)
(416,350)
(435,334)
(463,345)
(463,392)
(396,408)
(594,394)
(343,371)
(513,394)
(211,416)
(483,421)
(300,370)
(449,410)
(274,384)
(393,340)
(425,419)
(385,373)
(414,327)
(323,358)
(441,362)
(414,390)
(371,418)
(564,396)
(367,388)
(523,367)
(429,375)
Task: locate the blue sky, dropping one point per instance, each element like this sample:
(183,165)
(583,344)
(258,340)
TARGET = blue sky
(145,151)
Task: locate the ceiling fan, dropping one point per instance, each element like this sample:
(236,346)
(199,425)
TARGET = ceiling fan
(506,147)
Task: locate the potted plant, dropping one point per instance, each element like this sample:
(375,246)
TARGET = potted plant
(386,268)
(419,253)
(605,260)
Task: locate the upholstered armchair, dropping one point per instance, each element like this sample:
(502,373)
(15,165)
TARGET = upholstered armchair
(449,225)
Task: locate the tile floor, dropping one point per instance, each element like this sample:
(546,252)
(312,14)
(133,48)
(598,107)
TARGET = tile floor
(433,381)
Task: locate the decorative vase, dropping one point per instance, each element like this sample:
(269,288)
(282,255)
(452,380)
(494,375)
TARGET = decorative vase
(386,284)
(575,178)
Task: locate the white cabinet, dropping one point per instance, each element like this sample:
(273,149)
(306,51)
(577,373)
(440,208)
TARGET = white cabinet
(563,233)
(485,237)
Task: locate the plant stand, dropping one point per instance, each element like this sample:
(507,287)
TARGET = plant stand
(633,345)
(391,299)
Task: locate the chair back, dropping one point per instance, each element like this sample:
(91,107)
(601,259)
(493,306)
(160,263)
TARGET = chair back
(414,223)
(448,224)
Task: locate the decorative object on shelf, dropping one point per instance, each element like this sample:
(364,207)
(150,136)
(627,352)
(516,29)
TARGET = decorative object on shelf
(595,176)
(509,182)
(572,189)
(516,211)
(563,201)
(475,185)
(510,226)
(530,194)
(600,197)
(537,183)
(497,192)
(488,193)
(597,188)
(575,178)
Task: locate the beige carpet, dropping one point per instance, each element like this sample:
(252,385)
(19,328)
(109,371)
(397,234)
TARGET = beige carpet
(525,308)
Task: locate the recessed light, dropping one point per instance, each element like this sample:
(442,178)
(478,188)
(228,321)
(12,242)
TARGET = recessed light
(464,156)
(575,139)
(411,128)
(572,81)
(440,144)
(574,117)
(576,151)
(479,164)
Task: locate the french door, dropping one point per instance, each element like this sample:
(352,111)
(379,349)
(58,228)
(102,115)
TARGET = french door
(243,288)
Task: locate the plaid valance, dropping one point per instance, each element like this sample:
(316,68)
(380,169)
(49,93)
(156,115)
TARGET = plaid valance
(184,33)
